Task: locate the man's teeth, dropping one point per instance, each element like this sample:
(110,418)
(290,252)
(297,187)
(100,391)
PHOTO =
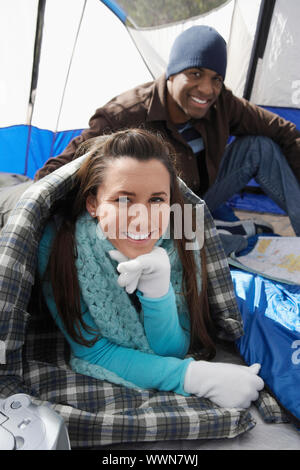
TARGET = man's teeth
(135,236)
(198,100)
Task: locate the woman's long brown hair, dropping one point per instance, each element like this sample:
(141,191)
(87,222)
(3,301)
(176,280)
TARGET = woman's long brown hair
(141,145)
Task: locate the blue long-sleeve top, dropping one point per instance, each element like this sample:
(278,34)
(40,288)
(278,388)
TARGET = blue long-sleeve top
(164,370)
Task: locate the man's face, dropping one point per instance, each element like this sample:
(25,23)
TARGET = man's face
(191,93)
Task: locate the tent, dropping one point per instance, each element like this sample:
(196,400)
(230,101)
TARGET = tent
(62,59)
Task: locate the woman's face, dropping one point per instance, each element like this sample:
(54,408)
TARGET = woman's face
(132,204)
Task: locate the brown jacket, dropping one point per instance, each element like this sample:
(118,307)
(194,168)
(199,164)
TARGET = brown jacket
(147,105)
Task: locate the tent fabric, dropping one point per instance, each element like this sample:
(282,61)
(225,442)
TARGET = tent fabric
(24,148)
(17,36)
(254,203)
(155,43)
(98,60)
(271,317)
(277,77)
(104,54)
(88,55)
(116,9)
(36,354)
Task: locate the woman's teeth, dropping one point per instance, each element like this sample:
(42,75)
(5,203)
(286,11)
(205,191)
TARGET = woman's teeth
(135,236)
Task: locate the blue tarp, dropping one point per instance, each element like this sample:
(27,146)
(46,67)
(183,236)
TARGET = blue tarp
(271,316)
(25,149)
(254,203)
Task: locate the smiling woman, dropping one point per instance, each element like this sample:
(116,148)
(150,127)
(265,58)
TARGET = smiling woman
(124,201)
(133,303)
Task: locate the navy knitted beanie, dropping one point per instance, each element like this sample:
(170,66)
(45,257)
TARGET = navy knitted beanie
(198,46)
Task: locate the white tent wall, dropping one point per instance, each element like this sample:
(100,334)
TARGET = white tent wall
(17,37)
(277,80)
(236,20)
(106,62)
(155,43)
(87,57)
(61,20)
(74,81)
(240,43)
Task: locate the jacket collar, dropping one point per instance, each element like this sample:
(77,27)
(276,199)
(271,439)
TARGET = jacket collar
(158,105)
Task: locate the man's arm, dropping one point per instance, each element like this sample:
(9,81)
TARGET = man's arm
(99,124)
(248,119)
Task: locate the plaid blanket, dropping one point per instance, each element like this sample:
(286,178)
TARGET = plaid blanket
(34,355)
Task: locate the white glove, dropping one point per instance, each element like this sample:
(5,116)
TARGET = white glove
(227,385)
(148,273)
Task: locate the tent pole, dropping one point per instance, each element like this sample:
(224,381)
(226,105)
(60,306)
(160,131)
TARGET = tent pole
(260,41)
(127,22)
(140,53)
(36,55)
(35,72)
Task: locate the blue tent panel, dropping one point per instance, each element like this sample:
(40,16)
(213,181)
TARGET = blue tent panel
(25,149)
(13,144)
(45,144)
(270,314)
(254,203)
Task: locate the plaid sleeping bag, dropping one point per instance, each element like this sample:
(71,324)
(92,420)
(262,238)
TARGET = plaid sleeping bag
(34,355)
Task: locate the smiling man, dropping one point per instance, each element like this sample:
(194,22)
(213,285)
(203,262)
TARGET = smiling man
(195,73)
(192,92)
(197,113)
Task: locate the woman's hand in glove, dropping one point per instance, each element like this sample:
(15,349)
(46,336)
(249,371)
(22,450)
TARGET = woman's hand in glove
(227,385)
(148,273)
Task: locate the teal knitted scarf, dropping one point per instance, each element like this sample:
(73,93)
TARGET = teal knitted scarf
(109,305)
